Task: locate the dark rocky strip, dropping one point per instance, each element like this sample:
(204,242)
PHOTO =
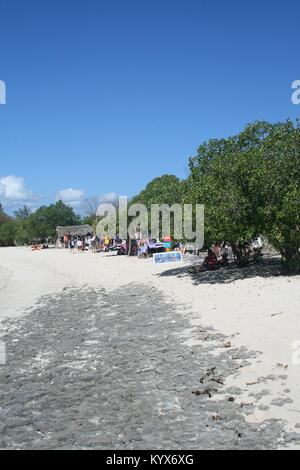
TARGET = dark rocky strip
(88,369)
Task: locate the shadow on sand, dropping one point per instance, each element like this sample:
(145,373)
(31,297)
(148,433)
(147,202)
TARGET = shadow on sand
(268,267)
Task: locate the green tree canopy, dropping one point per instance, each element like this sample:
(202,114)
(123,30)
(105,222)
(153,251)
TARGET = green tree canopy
(7,233)
(23,213)
(249,185)
(44,221)
(164,189)
(4,218)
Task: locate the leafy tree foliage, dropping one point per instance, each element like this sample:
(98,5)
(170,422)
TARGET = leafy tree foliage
(164,189)
(7,233)
(4,218)
(89,220)
(23,213)
(43,222)
(249,185)
(276,188)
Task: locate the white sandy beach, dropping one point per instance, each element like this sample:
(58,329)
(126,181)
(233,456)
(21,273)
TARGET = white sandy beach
(260,313)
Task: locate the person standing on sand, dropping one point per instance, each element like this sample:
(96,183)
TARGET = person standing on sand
(144,249)
(66,241)
(139,248)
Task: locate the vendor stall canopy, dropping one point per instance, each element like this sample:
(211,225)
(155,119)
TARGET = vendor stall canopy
(74,230)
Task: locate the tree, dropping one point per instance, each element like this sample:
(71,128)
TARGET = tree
(249,185)
(166,189)
(21,235)
(276,190)
(7,233)
(43,222)
(22,214)
(89,207)
(88,220)
(217,181)
(4,218)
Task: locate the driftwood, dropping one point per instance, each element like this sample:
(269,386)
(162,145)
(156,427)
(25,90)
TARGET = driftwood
(206,391)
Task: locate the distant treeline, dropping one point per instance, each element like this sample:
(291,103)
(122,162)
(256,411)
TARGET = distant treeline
(26,226)
(248,183)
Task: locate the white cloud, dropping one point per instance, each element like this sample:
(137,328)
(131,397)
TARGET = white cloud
(71,196)
(108,197)
(13,191)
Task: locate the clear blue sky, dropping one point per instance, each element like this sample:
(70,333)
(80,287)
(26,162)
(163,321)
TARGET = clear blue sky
(103,96)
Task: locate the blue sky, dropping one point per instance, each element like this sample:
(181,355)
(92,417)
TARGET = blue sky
(103,96)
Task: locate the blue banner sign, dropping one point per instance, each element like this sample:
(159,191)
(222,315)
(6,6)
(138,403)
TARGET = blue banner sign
(169,257)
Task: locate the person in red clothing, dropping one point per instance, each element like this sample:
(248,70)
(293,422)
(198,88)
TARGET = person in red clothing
(211,261)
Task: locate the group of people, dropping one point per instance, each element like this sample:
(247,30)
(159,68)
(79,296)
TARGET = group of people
(74,242)
(142,248)
(217,256)
(77,243)
(108,244)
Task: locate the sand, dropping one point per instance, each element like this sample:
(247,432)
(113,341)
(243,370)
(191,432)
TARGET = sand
(258,314)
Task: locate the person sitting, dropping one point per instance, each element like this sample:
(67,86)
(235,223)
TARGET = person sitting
(216,248)
(224,260)
(211,261)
